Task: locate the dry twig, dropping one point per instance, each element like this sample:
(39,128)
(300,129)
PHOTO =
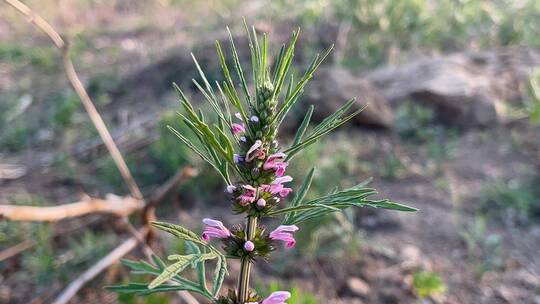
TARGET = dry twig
(121,206)
(147,215)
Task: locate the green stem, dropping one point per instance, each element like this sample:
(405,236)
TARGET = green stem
(245,267)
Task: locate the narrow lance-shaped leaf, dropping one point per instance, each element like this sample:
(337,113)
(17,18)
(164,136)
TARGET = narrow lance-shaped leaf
(142,289)
(213,102)
(253,54)
(301,193)
(192,248)
(352,197)
(197,151)
(239,70)
(182,261)
(303,126)
(285,64)
(182,233)
(327,125)
(291,100)
(219,275)
(277,64)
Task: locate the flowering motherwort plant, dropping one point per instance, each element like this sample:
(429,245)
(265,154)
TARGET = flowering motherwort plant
(253,165)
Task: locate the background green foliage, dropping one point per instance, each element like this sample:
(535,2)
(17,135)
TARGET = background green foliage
(427,284)
(383,30)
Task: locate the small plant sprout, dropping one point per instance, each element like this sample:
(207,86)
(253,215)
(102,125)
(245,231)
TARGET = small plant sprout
(243,149)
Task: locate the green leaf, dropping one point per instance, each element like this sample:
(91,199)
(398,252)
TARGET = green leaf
(183,261)
(278,60)
(356,196)
(219,275)
(142,288)
(290,210)
(214,163)
(294,96)
(238,67)
(387,204)
(326,126)
(285,64)
(182,233)
(301,193)
(303,126)
(143,267)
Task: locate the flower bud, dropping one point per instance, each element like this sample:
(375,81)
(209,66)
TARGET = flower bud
(255,172)
(261,202)
(231,188)
(249,246)
(265,92)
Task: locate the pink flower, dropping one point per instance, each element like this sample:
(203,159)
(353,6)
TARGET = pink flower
(255,152)
(238,128)
(275,162)
(215,229)
(285,192)
(282,179)
(277,186)
(249,246)
(278,297)
(284,233)
(248,196)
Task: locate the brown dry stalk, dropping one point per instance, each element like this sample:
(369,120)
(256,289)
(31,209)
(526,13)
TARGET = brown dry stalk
(120,206)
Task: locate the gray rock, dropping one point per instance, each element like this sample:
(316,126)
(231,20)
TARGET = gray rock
(466,89)
(331,87)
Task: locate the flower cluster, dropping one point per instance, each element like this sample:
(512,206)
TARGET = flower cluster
(251,153)
(263,184)
(236,243)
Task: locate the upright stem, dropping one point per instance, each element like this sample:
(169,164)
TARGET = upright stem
(245,267)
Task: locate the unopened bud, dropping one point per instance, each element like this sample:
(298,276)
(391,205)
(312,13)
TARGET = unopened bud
(261,202)
(231,188)
(249,246)
(255,172)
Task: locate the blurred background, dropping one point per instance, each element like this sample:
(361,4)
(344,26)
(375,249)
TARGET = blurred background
(453,88)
